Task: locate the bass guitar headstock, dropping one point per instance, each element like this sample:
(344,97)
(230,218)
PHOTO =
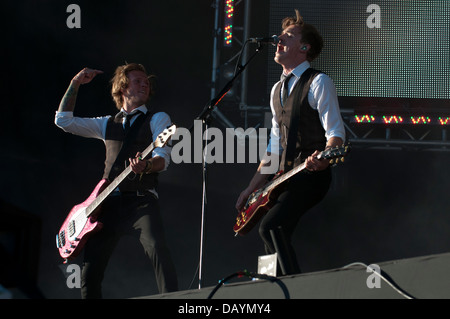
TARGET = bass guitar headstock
(165,136)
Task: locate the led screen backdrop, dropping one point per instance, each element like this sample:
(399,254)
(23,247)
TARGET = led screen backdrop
(377,48)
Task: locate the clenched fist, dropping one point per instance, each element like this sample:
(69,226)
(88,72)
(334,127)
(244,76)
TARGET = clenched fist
(86,75)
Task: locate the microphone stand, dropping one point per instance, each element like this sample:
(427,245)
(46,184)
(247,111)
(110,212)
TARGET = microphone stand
(204,116)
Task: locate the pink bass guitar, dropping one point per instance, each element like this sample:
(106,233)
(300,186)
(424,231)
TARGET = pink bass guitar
(82,219)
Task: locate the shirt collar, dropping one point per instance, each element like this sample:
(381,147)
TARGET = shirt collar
(141,108)
(299,69)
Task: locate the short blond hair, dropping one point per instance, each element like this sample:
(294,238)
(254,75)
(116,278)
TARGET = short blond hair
(120,81)
(309,34)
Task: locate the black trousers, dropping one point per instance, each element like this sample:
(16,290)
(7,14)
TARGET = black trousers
(127,215)
(303,191)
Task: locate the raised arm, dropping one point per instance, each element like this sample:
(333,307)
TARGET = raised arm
(85,76)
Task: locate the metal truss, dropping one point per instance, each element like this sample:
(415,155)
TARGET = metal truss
(218,70)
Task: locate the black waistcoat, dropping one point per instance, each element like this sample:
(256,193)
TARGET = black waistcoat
(120,147)
(310,132)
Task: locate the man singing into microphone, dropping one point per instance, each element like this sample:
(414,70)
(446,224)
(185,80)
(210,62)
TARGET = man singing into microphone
(309,97)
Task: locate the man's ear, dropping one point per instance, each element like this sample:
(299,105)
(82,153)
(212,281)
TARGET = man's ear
(122,90)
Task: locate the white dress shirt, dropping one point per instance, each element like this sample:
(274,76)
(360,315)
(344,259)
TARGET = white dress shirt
(96,128)
(322,97)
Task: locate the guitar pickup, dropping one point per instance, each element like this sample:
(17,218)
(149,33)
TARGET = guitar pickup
(61,239)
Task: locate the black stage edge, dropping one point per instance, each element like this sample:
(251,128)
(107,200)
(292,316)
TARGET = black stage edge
(425,277)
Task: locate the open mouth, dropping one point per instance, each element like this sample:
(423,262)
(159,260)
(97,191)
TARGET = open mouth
(280,48)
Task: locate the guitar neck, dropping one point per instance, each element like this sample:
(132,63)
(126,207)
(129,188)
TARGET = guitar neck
(284,177)
(115,183)
(333,154)
(288,175)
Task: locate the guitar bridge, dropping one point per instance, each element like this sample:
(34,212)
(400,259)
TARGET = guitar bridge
(71,228)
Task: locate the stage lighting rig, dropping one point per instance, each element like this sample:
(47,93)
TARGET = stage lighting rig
(228,23)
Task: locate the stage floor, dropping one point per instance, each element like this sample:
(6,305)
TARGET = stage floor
(425,277)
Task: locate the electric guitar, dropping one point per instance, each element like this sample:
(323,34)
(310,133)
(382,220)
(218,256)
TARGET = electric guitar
(82,219)
(260,201)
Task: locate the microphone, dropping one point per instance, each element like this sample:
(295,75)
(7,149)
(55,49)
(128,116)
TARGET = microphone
(273,40)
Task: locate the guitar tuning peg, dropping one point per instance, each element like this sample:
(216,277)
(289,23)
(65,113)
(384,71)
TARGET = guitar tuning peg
(342,159)
(331,161)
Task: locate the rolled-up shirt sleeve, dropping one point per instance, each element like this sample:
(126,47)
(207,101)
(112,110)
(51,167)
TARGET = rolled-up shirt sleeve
(323,97)
(86,127)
